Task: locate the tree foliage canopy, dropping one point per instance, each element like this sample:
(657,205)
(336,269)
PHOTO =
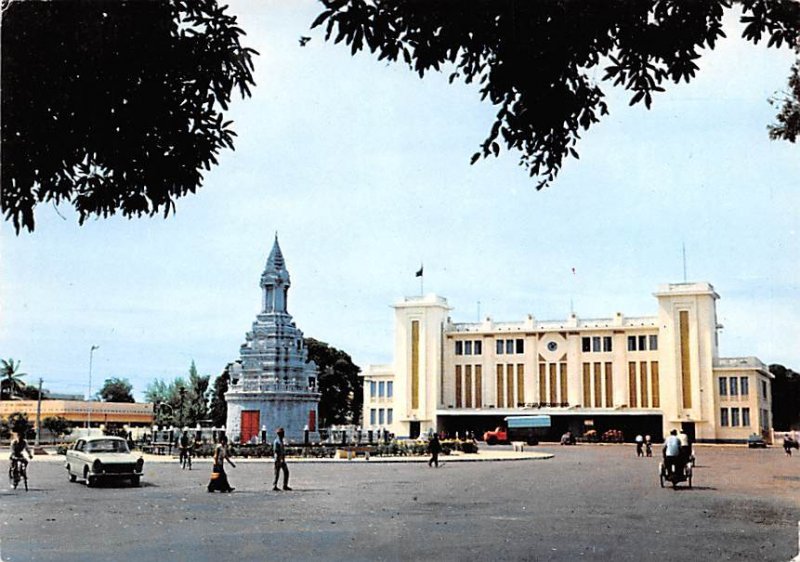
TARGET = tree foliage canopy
(115,106)
(57,425)
(116,390)
(11,383)
(534,60)
(339,384)
(785,398)
(180,401)
(218,411)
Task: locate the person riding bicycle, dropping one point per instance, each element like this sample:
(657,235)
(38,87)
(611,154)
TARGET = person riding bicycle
(185,448)
(672,453)
(18,446)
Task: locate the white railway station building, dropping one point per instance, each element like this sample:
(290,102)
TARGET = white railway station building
(643,375)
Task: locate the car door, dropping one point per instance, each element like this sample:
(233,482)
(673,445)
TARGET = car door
(72,456)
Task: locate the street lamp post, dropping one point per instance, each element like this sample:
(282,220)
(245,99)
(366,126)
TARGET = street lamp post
(89,413)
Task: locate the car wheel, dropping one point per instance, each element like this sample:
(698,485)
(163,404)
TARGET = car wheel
(71,476)
(89,479)
(491,441)
(135,481)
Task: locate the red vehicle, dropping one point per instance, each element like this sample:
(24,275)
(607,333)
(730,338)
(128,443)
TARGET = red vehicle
(520,428)
(499,435)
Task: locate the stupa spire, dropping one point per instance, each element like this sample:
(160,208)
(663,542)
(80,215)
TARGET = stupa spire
(275,281)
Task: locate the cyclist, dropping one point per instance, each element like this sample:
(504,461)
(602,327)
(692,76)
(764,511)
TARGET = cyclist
(185,448)
(19,446)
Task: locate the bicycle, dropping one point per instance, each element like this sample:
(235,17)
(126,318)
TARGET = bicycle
(18,472)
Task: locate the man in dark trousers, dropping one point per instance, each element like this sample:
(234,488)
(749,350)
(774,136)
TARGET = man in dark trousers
(434,447)
(279,454)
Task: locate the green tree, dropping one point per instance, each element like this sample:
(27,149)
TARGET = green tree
(339,384)
(18,423)
(218,412)
(198,401)
(115,106)
(788,119)
(166,398)
(12,383)
(116,390)
(785,398)
(58,426)
(535,61)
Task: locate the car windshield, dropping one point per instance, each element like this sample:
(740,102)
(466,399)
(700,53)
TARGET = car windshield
(107,446)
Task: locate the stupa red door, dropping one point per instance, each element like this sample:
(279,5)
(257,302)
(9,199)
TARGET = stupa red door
(250,424)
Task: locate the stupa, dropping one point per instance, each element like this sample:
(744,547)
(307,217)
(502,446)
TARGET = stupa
(272,384)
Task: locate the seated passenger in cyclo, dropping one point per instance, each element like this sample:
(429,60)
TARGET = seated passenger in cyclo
(672,453)
(686,447)
(19,446)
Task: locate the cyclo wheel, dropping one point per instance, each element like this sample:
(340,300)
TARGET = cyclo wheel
(661,477)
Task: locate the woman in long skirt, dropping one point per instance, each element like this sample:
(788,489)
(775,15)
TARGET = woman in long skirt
(219,480)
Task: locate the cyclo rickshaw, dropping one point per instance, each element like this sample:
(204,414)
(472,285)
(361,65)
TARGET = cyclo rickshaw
(682,472)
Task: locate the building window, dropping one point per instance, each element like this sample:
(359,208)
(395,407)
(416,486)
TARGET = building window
(723,386)
(607,343)
(764,389)
(653,343)
(389,390)
(509,346)
(499,347)
(642,343)
(596,344)
(520,346)
(478,347)
(744,386)
(478,386)
(372,416)
(745,417)
(734,387)
(381,388)
(723,417)
(467,348)
(372,389)
(459,348)
(734,417)
(381,419)
(586,344)
(458,386)
(468,386)
(631,343)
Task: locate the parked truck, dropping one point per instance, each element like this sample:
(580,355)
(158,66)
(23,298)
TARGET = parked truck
(519,428)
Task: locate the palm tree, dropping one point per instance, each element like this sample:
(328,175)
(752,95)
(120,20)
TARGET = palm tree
(11,378)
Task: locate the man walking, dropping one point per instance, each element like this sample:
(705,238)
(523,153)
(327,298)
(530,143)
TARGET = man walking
(279,454)
(434,447)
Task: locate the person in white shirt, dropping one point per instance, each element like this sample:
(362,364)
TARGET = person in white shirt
(672,451)
(686,447)
(639,443)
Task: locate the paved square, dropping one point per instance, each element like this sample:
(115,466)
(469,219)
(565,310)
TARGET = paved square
(587,503)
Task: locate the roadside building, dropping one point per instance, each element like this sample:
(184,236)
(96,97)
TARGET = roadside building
(78,412)
(636,374)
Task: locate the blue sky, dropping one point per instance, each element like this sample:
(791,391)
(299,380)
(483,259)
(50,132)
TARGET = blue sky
(363,170)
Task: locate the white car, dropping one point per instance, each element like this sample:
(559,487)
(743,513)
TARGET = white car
(94,458)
